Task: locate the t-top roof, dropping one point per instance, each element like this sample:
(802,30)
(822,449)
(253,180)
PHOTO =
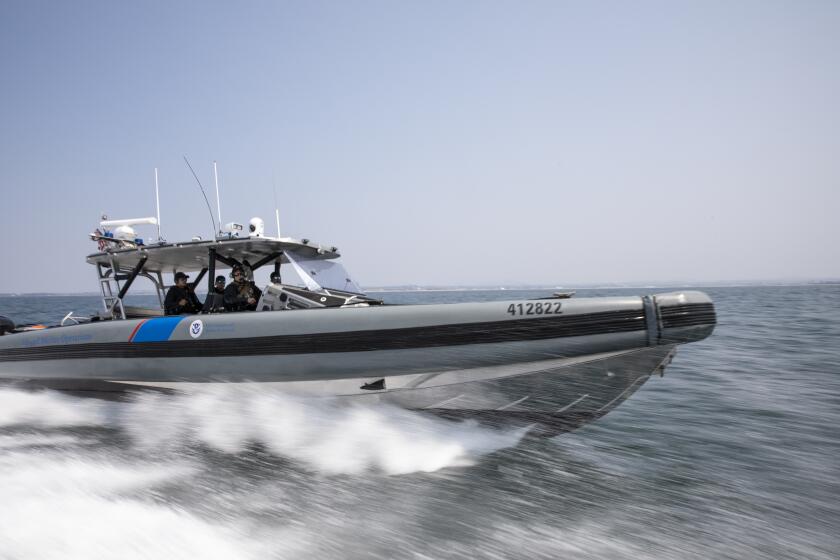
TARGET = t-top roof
(195,255)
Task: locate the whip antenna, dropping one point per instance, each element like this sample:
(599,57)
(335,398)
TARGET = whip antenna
(212,220)
(157,206)
(218,205)
(276,208)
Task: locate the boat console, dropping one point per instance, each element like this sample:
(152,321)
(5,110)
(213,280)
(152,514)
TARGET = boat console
(280,297)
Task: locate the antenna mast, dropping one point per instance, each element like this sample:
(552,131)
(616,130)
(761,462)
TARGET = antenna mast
(276,209)
(218,205)
(204,194)
(157,204)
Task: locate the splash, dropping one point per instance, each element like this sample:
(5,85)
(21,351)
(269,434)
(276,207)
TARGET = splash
(63,505)
(326,435)
(47,409)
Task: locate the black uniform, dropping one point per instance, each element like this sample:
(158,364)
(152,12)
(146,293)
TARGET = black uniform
(215,301)
(237,294)
(175,295)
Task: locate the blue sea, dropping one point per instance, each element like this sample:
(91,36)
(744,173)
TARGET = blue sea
(734,453)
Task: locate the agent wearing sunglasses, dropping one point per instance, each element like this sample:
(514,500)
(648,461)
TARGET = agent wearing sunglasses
(215,301)
(241,295)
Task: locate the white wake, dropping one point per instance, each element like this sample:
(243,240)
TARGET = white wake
(328,436)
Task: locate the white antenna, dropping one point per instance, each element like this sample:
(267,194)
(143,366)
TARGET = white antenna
(157,204)
(218,206)
(276,210)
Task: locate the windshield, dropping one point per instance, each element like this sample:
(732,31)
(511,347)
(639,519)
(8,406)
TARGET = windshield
(317,274)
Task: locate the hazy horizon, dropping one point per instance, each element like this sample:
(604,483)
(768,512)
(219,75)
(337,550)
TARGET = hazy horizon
(515,287)
(476,143)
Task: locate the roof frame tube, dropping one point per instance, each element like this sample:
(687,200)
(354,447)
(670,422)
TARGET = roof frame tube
(132,275)
(198,278)
(231,262)
(266,260)
(212,264)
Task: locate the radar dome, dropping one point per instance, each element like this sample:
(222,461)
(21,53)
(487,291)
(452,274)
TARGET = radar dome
(257,227)
(125,233)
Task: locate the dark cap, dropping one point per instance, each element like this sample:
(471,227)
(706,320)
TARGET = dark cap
(220,278)
(179,275)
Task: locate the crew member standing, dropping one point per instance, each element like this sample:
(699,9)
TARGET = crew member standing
(180,299)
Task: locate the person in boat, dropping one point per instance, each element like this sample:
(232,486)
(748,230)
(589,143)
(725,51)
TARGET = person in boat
(219,285)
(215,300)
(241,294)
(180,299)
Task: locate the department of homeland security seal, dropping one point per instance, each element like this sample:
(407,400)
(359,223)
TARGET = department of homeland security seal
(196,328)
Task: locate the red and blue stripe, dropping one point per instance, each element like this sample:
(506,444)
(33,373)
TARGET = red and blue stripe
(154,330)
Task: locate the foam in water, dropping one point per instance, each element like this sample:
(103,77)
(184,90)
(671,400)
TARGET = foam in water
(47,409)
(325,435)
(60,506)
(19,441)
(61,496)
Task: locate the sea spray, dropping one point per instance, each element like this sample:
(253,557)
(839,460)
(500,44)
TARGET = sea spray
(332,436)
(90,479)
(48,409)
(91,506)
(327,435)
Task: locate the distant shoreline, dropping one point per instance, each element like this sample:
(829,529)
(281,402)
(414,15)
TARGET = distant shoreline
(521,288)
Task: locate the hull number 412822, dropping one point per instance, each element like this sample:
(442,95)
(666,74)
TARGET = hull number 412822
(535,308)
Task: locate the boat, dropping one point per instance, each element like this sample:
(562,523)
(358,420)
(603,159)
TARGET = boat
(550,363)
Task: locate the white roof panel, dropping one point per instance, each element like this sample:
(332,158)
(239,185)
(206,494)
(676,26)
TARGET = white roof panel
(195,255)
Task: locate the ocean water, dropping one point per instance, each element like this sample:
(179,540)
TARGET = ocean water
(734,453)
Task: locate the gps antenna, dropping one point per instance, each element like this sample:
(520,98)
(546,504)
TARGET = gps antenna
(212,220)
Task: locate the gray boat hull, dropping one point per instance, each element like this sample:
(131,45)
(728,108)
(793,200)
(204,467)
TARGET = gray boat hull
(558,365)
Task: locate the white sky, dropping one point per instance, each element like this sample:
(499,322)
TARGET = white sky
(433,142)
